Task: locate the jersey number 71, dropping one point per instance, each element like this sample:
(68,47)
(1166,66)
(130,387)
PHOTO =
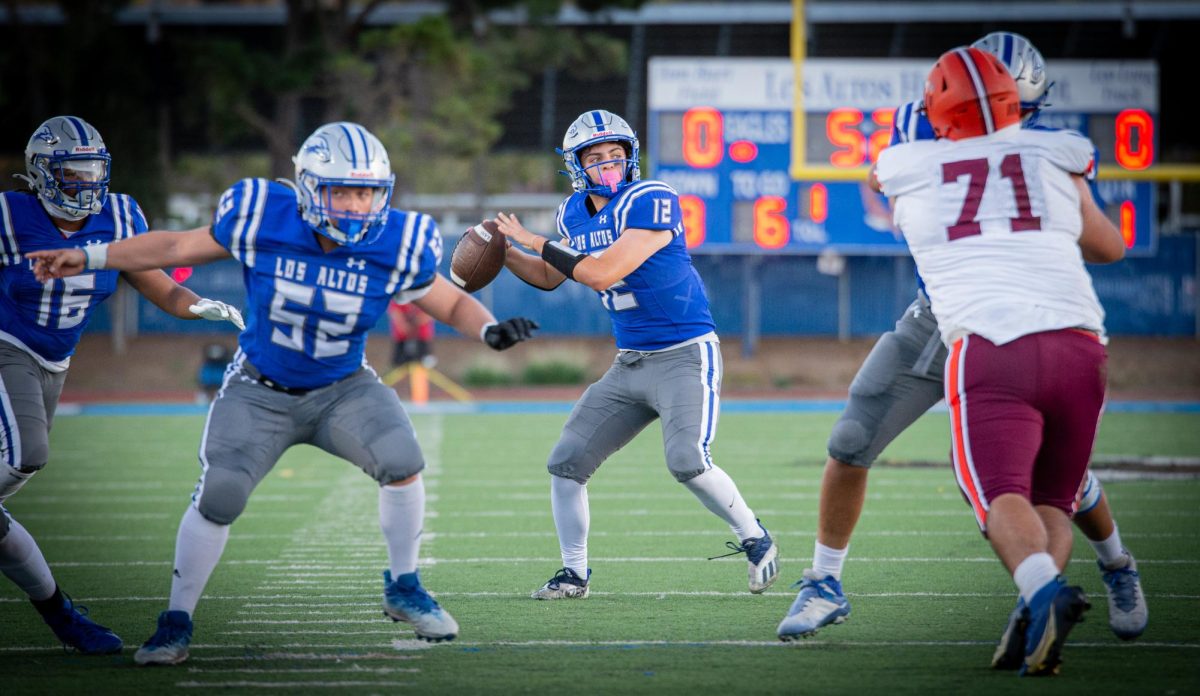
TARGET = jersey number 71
(977,172)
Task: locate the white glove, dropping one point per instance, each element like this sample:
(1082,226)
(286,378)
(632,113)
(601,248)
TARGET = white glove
(213,310)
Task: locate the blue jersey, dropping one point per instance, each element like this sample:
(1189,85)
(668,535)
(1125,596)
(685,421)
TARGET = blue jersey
(46,320)
(308,311)
(910,123)
(662,302)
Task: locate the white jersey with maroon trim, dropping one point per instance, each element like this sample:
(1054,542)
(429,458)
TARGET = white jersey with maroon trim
(993,223)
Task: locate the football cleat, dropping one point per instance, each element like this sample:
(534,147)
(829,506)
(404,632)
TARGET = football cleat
(72,626)
(566,584)
(761,556)
(1010,653)
(1053,612)
(169,644)
(405,600)
(1127,612)
(820,602)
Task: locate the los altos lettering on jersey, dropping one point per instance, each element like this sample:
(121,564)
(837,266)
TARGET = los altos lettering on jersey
(994,224)
(308,311)
(662,302)
(46,320)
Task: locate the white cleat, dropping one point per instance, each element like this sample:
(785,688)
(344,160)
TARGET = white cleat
(405,600)
(1127,612)
(566,584)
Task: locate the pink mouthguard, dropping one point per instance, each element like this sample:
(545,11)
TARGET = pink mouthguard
(610,178)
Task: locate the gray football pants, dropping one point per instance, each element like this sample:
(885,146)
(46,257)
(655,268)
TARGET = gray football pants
(899,381)
(250,426)
(680,386)
(28,398)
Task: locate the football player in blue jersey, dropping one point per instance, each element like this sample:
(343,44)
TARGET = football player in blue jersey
(624,238)
(900,380)
(67,203)
(321,261)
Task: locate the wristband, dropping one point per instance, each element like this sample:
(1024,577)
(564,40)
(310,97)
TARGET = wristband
(95,256)
(563,258)
(483,331)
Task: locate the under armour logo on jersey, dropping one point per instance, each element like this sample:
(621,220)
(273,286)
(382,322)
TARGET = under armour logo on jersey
(360,264)
(604,218)
(92,242)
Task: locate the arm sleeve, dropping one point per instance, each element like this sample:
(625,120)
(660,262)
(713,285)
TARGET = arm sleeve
(238,216)
(428,260)
(10,251)
(652,206)
(898,169)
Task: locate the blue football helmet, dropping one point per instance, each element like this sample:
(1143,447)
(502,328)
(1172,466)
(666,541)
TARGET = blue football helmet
(68,166)
(591,128)
(344,154)
(1024,63)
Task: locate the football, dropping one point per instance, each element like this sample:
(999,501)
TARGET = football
(478,256)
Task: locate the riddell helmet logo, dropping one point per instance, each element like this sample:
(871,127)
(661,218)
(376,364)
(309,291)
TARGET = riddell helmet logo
(361,174)
(597,134)
(82,148)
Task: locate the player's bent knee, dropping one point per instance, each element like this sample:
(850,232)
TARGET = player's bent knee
(399,467)
(571,459)
(850,443)
(685,463)
(224,495)
(33,457)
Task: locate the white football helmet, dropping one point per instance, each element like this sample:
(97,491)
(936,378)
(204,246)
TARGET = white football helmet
(594,127)
(1024,63)
(68,166)
(344,154)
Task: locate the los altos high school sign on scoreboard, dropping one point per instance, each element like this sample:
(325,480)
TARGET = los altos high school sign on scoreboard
(721,133)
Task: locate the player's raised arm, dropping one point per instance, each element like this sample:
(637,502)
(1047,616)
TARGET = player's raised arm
(599,273)
(143,252)
(530,268)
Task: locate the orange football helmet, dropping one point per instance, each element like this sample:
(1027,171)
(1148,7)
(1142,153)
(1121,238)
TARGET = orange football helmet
(970,93)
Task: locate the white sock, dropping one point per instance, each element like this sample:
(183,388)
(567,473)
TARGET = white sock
(829,561)
(22,562)
(1111,551)
(198,547)
(402,517)
(1033,573)
(720,495)
(569,502)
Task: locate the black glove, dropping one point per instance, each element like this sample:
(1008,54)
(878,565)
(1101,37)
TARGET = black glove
(509,332)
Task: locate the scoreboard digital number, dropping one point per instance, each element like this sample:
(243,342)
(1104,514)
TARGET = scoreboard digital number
(721,133)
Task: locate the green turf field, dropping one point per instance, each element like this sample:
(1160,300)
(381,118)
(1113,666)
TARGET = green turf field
(294,606)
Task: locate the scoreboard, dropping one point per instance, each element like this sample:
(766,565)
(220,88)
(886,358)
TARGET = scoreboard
(720,132)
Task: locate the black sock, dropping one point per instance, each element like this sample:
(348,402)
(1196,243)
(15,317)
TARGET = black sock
(49,605)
